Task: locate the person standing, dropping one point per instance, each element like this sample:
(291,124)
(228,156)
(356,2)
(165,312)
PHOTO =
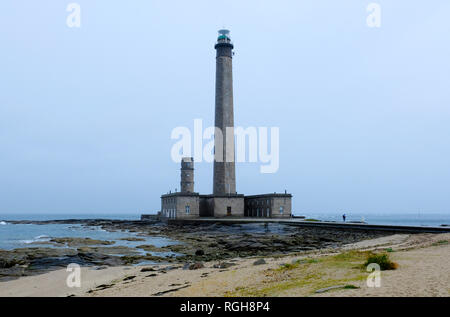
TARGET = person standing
(343,217)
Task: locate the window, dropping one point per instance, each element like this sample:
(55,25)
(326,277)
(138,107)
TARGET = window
(281,209)
(188,209)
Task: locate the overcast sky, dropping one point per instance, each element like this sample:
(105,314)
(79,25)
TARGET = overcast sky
(86,113)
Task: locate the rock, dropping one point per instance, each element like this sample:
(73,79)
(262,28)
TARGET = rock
(100,268)
(196,266)
(223,265)
(102,287)
(307,248)
(150,248)
(170,268)
(200,252)
(147,269)
(326,289)
(259,262)
(112,250)
(132,239)
(153,258)
(4,264)
(176,247)
(72,242)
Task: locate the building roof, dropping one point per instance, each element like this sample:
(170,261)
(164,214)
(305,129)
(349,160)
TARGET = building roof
(269,195)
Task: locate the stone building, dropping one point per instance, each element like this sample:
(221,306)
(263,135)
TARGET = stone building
(268,205)
(225,201)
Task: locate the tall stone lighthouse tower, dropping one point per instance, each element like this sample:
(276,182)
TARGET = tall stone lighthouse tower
(224,169)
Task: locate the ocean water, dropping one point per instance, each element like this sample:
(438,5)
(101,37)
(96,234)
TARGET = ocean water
(406,219)
(14,236)
(43,217)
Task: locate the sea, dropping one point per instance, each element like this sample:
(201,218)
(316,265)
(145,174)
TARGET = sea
(398,219)
(14,236)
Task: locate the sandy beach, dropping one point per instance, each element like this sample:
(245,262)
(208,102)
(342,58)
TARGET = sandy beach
(422,258)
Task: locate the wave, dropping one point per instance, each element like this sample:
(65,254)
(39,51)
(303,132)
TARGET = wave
(37,239)
(42,237)
(3,223)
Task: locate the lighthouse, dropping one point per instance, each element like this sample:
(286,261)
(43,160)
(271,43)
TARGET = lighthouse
(224,182)
(224,201)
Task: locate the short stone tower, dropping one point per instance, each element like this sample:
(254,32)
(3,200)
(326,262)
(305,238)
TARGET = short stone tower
(224,170)
(187,175)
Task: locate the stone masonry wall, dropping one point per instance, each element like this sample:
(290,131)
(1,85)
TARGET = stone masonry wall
(192,202)
(284,202)
(221,204)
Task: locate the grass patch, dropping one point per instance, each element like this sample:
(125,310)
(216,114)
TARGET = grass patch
(441,242)
(304,276)
(296,264)
(308,283)
(382,260)
(389,250)
(311,219)
(352,255)
(288,266)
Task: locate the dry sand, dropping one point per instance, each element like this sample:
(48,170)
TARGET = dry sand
(424,270)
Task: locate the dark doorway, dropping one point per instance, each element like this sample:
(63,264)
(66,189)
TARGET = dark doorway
(229,211)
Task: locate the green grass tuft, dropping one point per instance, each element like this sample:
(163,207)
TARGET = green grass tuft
(441,242)
(382,260)
(288,266)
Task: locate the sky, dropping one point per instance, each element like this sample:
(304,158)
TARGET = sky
(86,113)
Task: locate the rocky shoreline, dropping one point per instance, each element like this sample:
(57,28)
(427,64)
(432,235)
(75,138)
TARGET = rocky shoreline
(196,244)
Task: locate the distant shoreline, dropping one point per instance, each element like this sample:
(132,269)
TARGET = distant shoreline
(409,219)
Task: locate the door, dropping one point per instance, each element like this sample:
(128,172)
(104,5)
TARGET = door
(229,211)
